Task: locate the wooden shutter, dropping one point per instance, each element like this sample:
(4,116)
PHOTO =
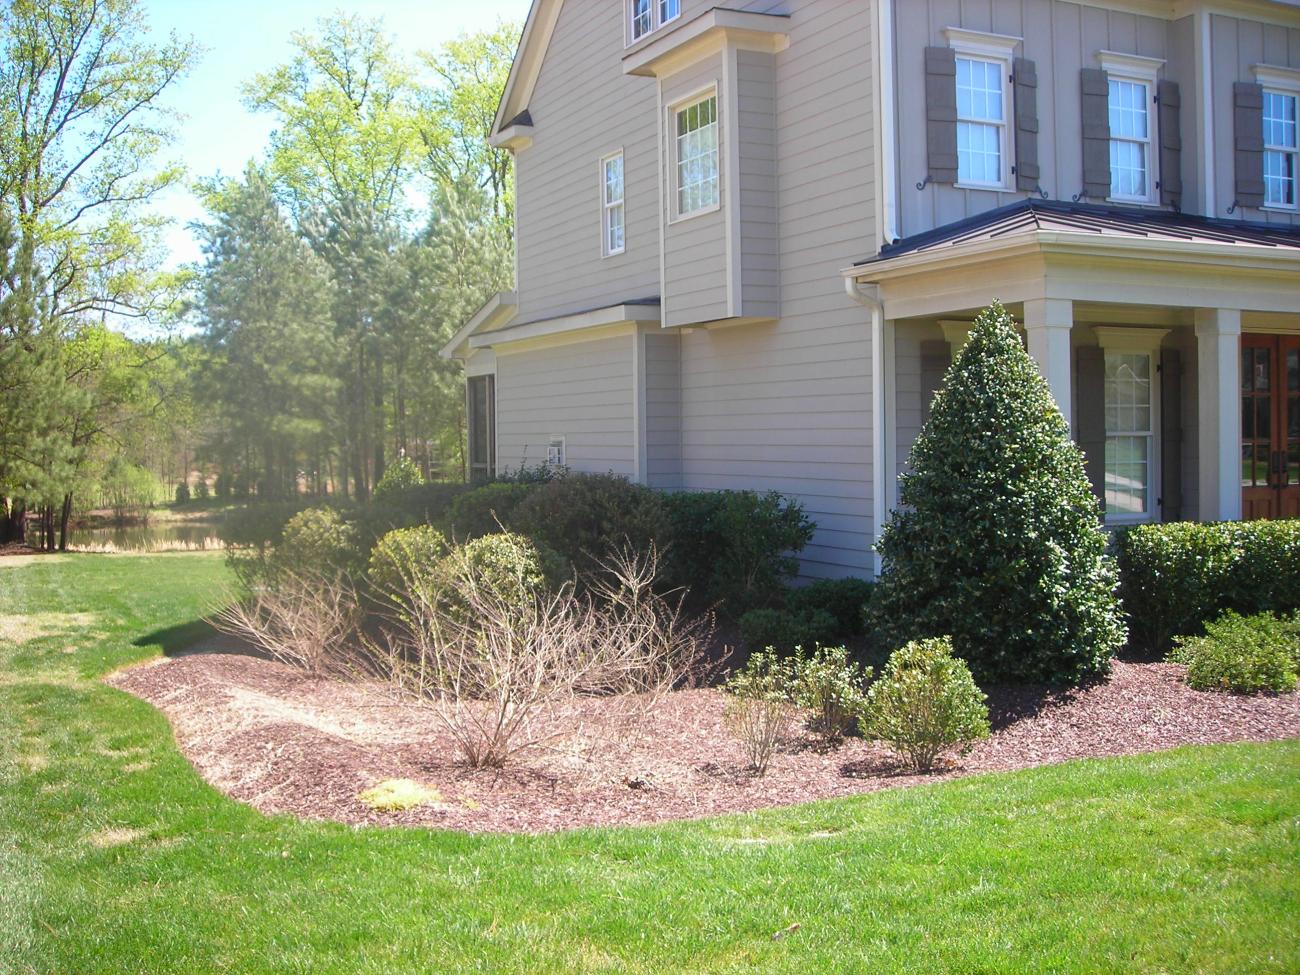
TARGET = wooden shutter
(941,114)
(1171,435)
(1171,143)
(1025,84)
(1248,143)
(1095,86)
(1090,419)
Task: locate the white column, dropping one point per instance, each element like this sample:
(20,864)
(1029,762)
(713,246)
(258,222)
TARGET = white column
(1218,378)
(1047,324)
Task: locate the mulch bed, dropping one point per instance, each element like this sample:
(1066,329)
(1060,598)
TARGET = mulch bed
(287,743)
(17,548)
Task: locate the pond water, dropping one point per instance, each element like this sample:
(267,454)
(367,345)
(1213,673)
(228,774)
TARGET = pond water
(160,536)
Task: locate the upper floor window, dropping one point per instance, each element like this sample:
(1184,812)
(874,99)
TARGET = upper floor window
(1130,140)
(696,145)
(981,121)
(648,15)
(612,210)
(1281,148)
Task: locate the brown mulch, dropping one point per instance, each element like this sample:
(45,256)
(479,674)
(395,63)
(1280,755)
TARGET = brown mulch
(10,549)
(287,743)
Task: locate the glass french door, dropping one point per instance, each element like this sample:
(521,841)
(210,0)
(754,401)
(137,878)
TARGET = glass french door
(1270,426)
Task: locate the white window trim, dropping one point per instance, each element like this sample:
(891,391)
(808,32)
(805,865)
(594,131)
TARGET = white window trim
(1145,71)
(556,452)
(696,97)
(606,206)
(1281,81)
(629,8)
(997,49)
(1145,341)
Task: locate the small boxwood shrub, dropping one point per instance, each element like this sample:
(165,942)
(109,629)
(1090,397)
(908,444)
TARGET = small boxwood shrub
(182,493)
(506,564)
(1175,578)
(783,631)
(405,559)
(1244,654)
(319,540)
(759,713)
(486,510)
(926,703)
(737,549)
(400,475)
(844,599)
(831,687)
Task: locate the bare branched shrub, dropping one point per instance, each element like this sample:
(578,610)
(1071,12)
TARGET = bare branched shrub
(504,668)
(306,619)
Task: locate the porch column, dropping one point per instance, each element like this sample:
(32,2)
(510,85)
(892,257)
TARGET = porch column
(1047,324)
(1218,402)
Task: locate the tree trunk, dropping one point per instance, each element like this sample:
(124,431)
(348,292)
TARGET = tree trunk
(64,517)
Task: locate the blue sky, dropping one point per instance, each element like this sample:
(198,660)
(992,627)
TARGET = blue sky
(244,37)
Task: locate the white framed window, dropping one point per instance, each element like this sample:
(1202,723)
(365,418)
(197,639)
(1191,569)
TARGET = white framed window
(555,452)
(982,101)
(1132,404)
(1281,147)
(613,231)
(645,16)
(695,156)
(1133,159)
(984,153)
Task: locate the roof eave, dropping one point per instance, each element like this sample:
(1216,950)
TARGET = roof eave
(494,313)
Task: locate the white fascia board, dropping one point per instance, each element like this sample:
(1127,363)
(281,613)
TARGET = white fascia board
(599,318)
(667,51)
(496,311)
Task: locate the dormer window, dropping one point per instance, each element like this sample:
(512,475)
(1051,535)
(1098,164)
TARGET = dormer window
(645,16)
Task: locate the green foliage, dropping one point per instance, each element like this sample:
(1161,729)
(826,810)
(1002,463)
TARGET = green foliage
(426,504)
(827,683)
(405,560)
(587,518)
(505,564)
(318,540)
(998,538)
(258,526)
(782,630)
(485,510)
(758,712)
(225,485)
(1175,578)
(926,703)
(201,491)
(400,476)
(736,548)
(182,493)
(1243,654)
(844,599)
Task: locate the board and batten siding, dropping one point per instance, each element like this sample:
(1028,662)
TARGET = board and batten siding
(584,107)
(581,391)
(1061,39)
(1236,46)
(786,405)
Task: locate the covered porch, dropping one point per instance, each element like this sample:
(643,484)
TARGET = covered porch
(1171,345)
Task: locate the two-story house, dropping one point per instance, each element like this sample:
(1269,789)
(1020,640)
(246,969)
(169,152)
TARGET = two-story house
(750,237)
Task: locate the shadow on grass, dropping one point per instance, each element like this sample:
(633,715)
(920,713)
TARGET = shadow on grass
(180,639)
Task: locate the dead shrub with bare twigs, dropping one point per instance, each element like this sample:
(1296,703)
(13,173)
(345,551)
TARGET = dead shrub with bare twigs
(307,619)
(506,669)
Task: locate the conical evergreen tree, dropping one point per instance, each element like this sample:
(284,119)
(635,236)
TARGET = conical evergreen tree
(999,541)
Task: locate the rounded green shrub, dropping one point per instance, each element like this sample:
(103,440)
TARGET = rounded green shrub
(1242,654)
(998,538)
(407,558)
(486,510)
(925,703)
(400,475)
(783,631)
(182,493)
(318,540)
(505,565)
(830,686)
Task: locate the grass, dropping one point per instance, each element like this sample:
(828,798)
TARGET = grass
(116,857)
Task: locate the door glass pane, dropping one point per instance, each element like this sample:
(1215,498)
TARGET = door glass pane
(1293,370)
(1263,362)
(1247,465)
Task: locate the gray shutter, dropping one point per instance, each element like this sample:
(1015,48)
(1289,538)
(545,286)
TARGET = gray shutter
(936,357)
(941,114)
(1171,435)
(1090,419)
(1171,144)
(1095,86)
(1025,76)
(1248,142)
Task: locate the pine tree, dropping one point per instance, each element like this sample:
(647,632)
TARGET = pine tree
(998,543)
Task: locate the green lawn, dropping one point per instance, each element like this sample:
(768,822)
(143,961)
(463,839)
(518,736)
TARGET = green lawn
(115,857)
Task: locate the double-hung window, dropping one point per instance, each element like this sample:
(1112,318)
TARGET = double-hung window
(648,15)
(1131,406)
(1281,148)
(612,209)
(695,128)
(1130,140)
(981,121)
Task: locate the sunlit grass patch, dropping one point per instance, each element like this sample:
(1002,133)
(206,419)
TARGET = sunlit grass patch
(19,629)
(394,795)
